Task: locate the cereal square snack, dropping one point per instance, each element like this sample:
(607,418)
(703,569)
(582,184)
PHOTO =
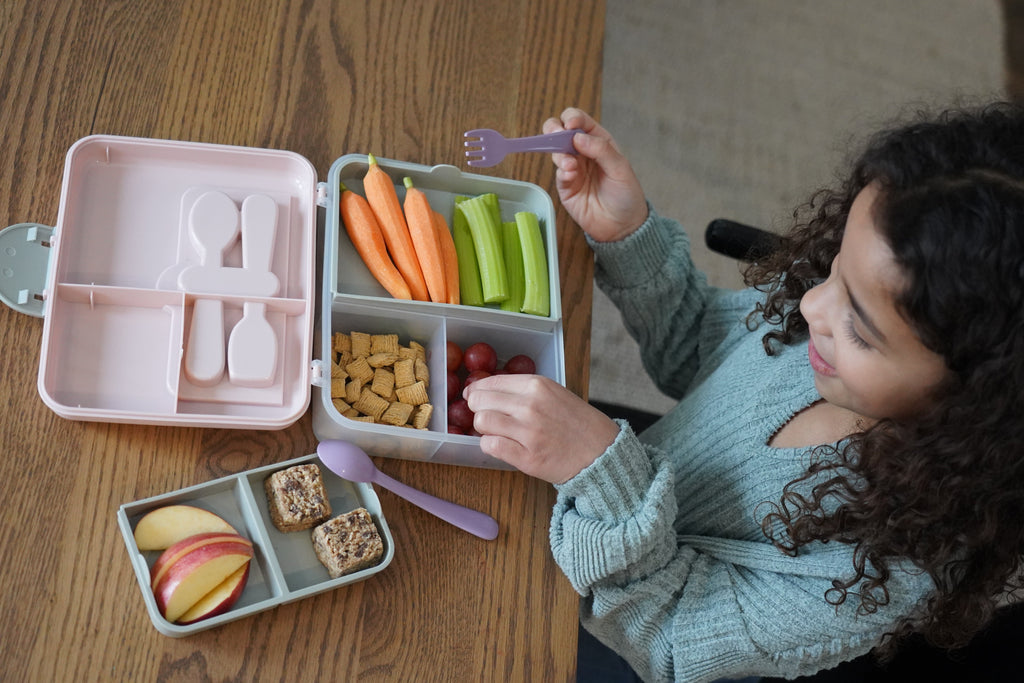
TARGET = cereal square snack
(348,543)
(296,498)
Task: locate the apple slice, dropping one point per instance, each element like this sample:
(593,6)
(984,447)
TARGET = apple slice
(220,599)
(196,573)
(163,527)
(171,555)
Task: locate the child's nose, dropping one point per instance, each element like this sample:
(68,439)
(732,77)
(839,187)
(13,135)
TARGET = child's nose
(813,307)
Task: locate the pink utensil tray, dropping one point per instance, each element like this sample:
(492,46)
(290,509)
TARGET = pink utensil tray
(181,287)
(133,262)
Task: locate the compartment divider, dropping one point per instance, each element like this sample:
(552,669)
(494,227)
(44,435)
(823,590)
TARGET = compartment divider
(275,304)
(247,501)
(114,295)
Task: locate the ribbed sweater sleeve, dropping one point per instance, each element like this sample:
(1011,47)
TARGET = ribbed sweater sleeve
(649,274)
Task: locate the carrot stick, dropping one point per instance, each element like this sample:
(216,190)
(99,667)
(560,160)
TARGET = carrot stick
(420,219)
(383,199)
(451,258)
(364,231)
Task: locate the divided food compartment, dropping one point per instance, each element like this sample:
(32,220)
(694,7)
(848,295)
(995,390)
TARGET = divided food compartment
(354,301)
(284,567)
(141,251)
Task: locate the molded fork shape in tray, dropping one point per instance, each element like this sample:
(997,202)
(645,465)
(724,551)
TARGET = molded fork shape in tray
(493,146)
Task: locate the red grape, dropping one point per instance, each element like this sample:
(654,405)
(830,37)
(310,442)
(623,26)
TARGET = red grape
(480,356)
(460,415)
(452,429)
(474,376)
(520,365)
(454,385)
(454,356)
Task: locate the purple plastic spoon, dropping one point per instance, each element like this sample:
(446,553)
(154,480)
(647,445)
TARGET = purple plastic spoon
(351,462)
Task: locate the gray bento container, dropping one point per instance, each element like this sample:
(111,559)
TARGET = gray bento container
(353,300)
(284,566)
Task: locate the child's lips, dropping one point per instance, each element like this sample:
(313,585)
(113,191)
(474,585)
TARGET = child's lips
(818,364)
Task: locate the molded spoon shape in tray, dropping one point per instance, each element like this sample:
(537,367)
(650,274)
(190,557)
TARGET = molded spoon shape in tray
(350,462)
(213,227)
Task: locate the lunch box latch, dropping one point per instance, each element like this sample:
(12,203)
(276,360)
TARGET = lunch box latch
(316,375)
(24,260)
(322,196)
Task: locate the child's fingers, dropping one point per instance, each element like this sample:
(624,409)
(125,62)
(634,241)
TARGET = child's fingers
(565,162)
(552,125)
(497,393)
(505,449)
(495,422)
(504,426)
(503,404)
(579,119)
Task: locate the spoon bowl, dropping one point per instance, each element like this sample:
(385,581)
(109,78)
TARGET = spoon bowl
(347,460)
(351,462)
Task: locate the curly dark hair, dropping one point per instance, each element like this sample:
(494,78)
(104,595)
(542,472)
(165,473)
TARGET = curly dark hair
(946,488)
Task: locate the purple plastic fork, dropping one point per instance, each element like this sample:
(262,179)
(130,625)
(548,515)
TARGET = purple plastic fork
(493,146)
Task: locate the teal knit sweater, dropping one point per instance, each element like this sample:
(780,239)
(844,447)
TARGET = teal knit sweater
(661,535)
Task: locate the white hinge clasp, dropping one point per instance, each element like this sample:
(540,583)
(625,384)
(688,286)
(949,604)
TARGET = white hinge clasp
(316,374)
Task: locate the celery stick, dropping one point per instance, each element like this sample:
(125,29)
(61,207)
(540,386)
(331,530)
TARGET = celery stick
(494,206)
(487,243)
(470,292)
(490,200)
(513,267)
(537,298)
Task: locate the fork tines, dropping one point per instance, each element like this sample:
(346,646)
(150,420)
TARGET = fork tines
(475,141)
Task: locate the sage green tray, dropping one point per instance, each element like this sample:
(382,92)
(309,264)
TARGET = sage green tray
(284,567)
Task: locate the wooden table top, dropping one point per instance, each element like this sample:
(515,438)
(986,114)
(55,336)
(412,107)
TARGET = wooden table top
(320,78)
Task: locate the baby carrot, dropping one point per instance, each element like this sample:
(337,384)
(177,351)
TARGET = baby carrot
(420,219)
(383,199)
(451,258)
(364,231)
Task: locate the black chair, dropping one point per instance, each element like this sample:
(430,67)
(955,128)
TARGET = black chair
(739,241)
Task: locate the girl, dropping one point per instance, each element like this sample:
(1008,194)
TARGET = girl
(845,465)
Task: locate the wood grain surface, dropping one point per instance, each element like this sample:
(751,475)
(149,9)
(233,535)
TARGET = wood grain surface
(321,78)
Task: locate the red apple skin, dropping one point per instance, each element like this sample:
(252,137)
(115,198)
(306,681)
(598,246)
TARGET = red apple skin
(171,555)
(225,604)
(163,527)
(192,561)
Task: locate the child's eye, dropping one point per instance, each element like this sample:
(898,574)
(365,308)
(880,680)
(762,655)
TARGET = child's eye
(851,333)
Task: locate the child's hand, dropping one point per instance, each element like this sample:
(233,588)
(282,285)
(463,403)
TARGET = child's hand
(597,187)
(538,426)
